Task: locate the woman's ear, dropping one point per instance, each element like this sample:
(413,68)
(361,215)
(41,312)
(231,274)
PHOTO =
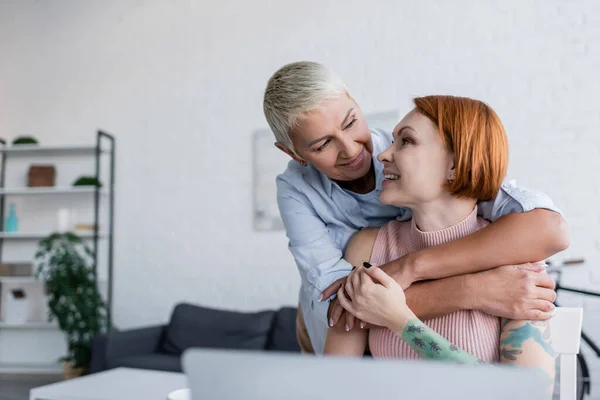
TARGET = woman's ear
(451,170)
(290,153)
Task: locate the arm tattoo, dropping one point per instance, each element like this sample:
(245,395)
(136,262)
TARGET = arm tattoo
(545,325)
(510,354)
(511,347)
(515,338)
(429,344)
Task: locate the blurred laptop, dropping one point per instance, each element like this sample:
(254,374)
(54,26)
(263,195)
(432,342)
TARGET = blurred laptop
(260,375)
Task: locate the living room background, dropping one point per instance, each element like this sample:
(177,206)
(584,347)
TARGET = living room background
(180,85)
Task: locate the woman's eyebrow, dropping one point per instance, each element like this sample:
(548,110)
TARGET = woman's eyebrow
(346,117)
(403,128)
(318,140)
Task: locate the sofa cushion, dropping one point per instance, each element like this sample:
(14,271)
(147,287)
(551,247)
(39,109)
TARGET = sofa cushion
(283,331)
(196,326)
(156,361)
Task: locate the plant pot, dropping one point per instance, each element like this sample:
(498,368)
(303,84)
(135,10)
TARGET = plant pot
(71,372)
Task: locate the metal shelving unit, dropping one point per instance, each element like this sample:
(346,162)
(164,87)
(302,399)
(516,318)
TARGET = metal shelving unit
(105,145)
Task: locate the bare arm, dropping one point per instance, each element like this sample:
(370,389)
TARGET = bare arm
(512,239)
(528,344)
(511,291)
(353,341)
(427,300)
(342,343)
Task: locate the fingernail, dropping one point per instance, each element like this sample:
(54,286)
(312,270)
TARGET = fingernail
(362,325)
(347,328)
(353,268)
(320,297)
(330,321)
(367,265)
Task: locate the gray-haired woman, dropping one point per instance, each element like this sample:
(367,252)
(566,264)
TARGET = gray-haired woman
(330,190)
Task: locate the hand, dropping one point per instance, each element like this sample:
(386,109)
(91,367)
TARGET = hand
(374,297)
(336,313)
(518,292)
(402,269)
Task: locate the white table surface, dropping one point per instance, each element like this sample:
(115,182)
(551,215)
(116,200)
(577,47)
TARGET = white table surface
(114,384)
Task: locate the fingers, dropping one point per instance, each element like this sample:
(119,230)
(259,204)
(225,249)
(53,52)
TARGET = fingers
(531,267)
(349,286)
(379,276)
(545,294)
(336,312)
(331,289)
(344,301)
(356,277)
(349,321)
(541,311)
(543,280)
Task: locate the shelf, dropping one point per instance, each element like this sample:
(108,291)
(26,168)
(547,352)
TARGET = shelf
(30,279)
(50,190)
(19,279)
(26,149)
(29,325)
(35,236)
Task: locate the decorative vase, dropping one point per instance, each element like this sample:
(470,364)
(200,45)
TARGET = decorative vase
(11,224)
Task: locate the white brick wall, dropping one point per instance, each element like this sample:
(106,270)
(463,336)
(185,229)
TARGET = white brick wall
(180,84)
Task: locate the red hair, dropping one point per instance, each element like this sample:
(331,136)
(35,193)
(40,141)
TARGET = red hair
(476,136)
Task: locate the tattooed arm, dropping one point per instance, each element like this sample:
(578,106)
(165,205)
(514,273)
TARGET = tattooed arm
(379,300)
(429,344)
(528,344)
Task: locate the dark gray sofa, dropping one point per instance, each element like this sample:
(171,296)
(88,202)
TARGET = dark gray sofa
(160,347)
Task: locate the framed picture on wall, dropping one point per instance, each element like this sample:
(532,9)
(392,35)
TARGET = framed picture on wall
(268,162)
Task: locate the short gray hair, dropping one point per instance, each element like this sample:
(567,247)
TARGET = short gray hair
(294,90)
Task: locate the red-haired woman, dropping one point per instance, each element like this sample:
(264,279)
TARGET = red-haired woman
(448,154)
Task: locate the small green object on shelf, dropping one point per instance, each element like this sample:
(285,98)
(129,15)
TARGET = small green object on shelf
(25,140)
(65,264)
(87,181)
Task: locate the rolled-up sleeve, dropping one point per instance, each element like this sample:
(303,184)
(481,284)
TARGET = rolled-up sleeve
(512,198)
(318,259)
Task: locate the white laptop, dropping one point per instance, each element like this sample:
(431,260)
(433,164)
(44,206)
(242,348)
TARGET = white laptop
(260,375)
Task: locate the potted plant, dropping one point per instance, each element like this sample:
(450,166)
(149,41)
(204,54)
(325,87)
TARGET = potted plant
(65,264)
(24,140)
(87,181)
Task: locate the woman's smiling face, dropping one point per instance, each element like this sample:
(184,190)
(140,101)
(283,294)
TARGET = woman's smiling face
(335,139)
(417,165)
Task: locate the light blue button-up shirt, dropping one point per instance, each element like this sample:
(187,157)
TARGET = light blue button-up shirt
(320,217)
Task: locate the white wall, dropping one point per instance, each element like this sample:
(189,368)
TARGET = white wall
(180,84)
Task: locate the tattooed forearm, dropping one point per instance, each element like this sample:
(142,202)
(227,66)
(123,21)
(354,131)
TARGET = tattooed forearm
(510,354)
(429,344)
(528,330)
(528,344)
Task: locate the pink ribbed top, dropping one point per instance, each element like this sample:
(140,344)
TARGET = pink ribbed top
(476,332)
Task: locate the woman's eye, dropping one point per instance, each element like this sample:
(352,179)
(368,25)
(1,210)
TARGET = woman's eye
(322,147)
(350,124)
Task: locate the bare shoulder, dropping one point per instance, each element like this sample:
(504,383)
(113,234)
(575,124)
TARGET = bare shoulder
(360,246)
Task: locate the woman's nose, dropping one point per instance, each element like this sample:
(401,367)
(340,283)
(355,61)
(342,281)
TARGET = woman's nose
(385,156)
(350,147)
